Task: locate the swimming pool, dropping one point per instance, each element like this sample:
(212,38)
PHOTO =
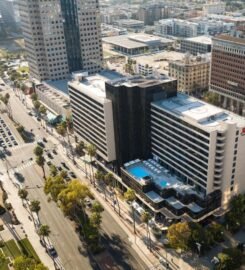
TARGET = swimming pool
(162,183)
(138,172)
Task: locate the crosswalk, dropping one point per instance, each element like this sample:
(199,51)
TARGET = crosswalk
(24,165)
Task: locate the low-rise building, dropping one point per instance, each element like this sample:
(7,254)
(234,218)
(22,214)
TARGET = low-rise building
(55,101)
(192,73)
(176,27)
(130,24)
(196,45)
(109,30)
(135,44)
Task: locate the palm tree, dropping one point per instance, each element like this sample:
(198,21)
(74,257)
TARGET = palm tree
(40,162)
(44,231)
(5,100)
(35,206)
(79,150)
(91,149)
(145,217)
(61,130)
(43,112)
(38,151)
(109,179)
(23,193)
(130,196)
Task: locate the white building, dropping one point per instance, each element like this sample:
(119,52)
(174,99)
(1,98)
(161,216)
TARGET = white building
(176,27)
(216,7)
(92,114)
(200,143)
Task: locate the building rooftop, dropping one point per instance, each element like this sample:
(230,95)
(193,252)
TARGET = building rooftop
(60,85)
(190,60)
(133,41)
(201,39)
(129,22)
(94,85)
(199,113)
(58,97)
(231,39)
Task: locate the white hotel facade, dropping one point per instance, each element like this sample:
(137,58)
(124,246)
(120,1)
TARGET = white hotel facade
(200,143)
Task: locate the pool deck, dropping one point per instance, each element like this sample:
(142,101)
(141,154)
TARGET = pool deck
(159,174)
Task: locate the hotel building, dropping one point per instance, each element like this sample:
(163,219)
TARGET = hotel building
(197,160)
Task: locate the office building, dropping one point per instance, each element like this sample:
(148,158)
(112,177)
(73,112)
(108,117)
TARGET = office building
(196,45)
(197,160)
(176,27)
(130,24)
(61,37)
(131,98)
(92,113)
(151,13)
(9,16)
(227,72)
(192,73)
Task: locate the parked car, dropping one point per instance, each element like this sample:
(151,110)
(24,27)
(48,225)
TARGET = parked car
(49,155)
(72,174)
(54,152)
(51,250)
(45,140)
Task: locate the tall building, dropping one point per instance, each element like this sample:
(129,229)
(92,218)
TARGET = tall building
(8,12)
(61,37)
(151,13)
(227,72)
(192,73)
(131,98)
(197,161)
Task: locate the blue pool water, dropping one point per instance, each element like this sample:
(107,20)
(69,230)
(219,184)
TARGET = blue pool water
(138,172)
(162,183)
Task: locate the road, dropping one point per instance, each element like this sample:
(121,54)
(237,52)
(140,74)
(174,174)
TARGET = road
(63,236)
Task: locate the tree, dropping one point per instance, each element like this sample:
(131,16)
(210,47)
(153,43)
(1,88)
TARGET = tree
(179,235)
(23,193)
(35,206)
(109,180)
(37,105)
(24,263)
(97,207)
(212,98)
(146,217)
(3,260)
(43,111)
(230,259)
(79,149)
(217,231)
(130,196)
(38,151)
(34,97)
(5,99)
(95,220)
(61,130)
(40,162)
(44,232)
(20,129)
(91,149)
(54,185)
(71,198)
(53,170)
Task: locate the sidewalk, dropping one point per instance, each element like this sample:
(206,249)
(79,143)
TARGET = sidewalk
(22,216)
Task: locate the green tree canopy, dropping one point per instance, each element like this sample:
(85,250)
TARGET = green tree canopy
(36,104)
(79,150)
(230,259)
(130,195)
(72,197)
(23,193)
(53,170)
(42,110)
(97,207)
(179,235)
(24,263)
(34,97)
(44,231)
(54,185)
(38,151)
(35,206)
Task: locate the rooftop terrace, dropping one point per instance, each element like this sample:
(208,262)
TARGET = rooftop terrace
(198,112)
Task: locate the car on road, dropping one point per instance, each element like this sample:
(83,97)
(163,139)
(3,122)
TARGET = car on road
(30,113)
(64,165)
(54,152)
(59,168)
(45,140)
(51,250)
(49,155)
(38,119)
(19,177)
(49,163)
(40,143)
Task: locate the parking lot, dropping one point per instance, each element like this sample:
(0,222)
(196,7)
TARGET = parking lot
(7,138)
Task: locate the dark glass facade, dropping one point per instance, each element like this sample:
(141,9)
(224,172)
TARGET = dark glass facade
(72,35)
(131,114)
